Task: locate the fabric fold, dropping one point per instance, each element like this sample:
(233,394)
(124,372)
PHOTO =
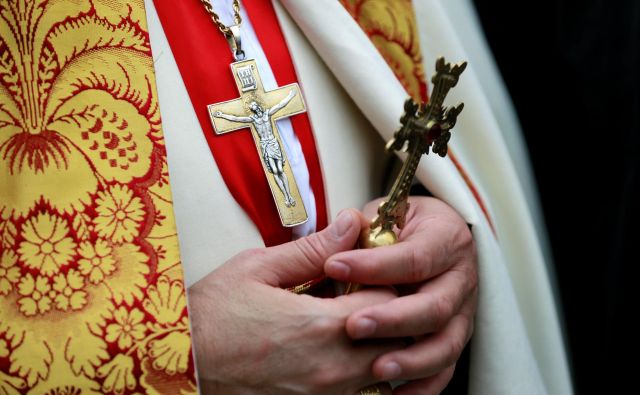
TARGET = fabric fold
(503,357)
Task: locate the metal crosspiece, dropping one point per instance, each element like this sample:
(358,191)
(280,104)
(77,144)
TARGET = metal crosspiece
(424,127)
(258,110)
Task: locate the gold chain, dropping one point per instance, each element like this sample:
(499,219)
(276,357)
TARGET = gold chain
(216,19)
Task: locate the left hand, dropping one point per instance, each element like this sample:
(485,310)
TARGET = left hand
(435,260)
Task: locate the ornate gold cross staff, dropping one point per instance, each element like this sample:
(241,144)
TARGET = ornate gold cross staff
(258,110)
(422,125)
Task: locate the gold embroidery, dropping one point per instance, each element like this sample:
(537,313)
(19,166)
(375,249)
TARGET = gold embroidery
(91,295)
(391,26)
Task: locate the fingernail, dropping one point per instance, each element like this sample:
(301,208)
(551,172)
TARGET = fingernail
(342,223)
(365,327)
(337,270)
(390,371)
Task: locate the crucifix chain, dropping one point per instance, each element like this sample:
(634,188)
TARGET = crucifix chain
(216,18)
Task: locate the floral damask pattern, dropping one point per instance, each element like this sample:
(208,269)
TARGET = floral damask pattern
(46,246)
(127,328)
(69,291)
(391,26)
(9,272)
(96,261)
(119,214)
(91,293)
(37,296)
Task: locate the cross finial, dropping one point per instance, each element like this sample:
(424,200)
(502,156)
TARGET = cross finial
(423,125)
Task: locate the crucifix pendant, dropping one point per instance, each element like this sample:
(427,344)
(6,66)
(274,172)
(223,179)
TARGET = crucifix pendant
(259,110)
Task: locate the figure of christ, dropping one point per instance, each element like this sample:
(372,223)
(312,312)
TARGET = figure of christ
(271,150)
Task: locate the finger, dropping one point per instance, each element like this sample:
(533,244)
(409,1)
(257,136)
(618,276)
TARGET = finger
(430,386)
(348,304)
(421,208)
(363,356)
(434,232)
(426,311)
(353,368)
(376,389)
(417,258)
(430,355)
(303,259)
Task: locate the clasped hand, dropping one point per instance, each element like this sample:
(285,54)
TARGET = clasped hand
(253,337)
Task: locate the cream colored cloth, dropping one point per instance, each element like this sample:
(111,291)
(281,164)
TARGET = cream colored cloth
(353,98)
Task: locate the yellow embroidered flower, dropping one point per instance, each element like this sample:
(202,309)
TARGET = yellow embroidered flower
(127,328)
(171,353)
(166,300)
(46,246)
(118,374)
(69,291)
(9,272)
(96,261)
(119,214)
(37,295)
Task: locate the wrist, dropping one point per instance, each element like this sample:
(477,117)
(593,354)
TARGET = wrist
(202,334)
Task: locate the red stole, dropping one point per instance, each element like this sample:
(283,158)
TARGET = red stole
(203,57)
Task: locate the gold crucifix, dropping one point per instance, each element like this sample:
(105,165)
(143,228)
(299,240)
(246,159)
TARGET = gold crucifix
(258,110)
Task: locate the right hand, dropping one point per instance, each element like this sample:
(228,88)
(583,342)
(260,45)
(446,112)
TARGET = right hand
(253,337)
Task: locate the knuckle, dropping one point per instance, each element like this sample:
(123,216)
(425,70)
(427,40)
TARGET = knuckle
(463,235)
(419,264)
(467,263)
(462,242)
(244,262)
(326,327)
(443,308)
(448,372)
(470,280)
(328,377)
(250,255)
(455,347)
(311,247)
(474,284)
(391,321)
(369,266)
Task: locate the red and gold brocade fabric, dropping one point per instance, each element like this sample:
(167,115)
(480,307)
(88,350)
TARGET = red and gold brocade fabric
(91,292)
(391,26)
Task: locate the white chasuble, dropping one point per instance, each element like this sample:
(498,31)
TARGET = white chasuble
(354,102)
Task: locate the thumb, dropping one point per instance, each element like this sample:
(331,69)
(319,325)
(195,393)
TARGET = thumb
(302,260)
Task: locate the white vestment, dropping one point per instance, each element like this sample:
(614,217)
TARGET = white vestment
(517,347)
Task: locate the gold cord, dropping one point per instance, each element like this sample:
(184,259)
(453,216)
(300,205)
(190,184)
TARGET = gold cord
(216,19)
